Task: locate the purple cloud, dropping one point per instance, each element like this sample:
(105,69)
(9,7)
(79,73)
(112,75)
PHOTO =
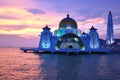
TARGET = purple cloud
(13,27)
(17,41)
(89,13)
(7,17)
(117,20)
(3,3)
(35,11)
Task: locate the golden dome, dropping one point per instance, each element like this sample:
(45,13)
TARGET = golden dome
(68,23)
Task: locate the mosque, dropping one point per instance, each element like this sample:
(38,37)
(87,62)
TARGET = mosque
(68,38)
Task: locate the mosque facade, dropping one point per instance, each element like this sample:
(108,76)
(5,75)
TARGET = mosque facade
(68,37)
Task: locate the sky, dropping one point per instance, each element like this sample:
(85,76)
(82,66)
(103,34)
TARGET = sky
(21,21)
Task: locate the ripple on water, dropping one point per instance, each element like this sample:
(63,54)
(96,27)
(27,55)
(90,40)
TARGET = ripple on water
(15,65)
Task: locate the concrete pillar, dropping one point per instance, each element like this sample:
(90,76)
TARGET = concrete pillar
(77,53)
(52,52)
(89,52)
(67,53)
(25,51)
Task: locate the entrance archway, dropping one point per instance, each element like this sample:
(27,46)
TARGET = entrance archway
(70,41)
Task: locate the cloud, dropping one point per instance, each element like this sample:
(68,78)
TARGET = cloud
(7,17)
(3,3)
(92,21)
(18,41)
(25,31)
(19,21)
(18,13)
(96,22)
(42,4)
(13,27)
(116,20)
(90,13)
(20,16)
(17,3)
(35,11)
(117,36)
(116,28)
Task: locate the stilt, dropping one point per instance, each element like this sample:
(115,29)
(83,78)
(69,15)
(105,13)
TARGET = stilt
(90,52)
(25,51)
(67,53)
(36,51)
(77,53)
(52,52)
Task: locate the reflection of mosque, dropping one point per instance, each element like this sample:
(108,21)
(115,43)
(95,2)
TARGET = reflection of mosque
(68,37)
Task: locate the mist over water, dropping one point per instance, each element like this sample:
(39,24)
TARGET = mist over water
(16,65)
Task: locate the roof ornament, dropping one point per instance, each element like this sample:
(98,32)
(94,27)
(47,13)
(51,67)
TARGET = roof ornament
(92,28)
(46,28)
(68,15)
(110,12)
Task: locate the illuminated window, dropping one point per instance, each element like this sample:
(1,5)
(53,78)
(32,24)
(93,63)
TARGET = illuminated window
(68,27)
(45,45)
(76,39)
(45,42)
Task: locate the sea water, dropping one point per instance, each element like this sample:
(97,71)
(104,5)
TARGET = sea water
(16,65)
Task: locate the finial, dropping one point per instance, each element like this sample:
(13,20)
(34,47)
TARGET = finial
(46,25)
(67,15)
(83,32)
(109,12)
(46,28)
(92,26)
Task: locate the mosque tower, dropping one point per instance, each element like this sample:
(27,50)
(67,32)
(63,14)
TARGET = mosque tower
(110,33)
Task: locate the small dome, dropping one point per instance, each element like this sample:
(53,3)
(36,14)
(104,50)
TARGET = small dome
(68,23)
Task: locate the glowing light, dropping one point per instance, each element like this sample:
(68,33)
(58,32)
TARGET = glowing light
(45,44)
(83,48)
(60,39)
(59,33)
(76,39)
(56,48)
(68,27)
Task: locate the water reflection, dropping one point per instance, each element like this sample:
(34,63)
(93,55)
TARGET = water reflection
(48,67)
(15,65)
(18,66)
(103,69)
(67,66)
(81,67)
(64,67)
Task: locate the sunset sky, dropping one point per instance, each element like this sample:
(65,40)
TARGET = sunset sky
(21,21)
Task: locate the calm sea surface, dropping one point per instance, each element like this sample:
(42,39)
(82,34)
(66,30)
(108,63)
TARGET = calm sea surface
(15,65)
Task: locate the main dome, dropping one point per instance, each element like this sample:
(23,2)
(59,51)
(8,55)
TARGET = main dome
(68,23)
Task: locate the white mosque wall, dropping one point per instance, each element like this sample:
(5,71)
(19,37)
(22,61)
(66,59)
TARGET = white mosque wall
(94,39)
(45,40)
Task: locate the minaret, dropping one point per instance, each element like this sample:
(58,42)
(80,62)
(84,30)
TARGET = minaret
(110,33)
(94,38)
(45,41)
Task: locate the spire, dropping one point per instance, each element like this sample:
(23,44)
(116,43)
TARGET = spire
(46,28)
(110,31)
(67,15)
(92,28)
(84,33)
(110,12)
